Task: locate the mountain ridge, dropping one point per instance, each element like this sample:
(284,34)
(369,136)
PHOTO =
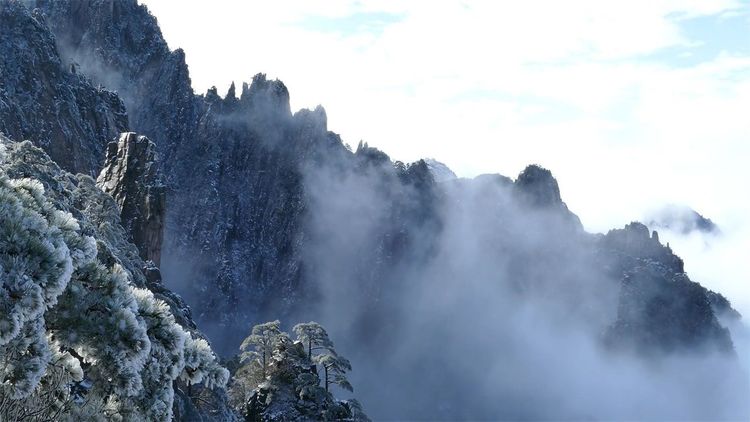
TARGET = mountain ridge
(267,214)
(260,119)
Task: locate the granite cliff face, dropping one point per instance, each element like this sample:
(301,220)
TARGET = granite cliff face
(252,149)
(131,176)
(118,44)
(43,98)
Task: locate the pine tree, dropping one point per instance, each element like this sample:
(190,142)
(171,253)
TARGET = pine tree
(335,368)
(313,336)
(78,338)
(264,338)
(281,378)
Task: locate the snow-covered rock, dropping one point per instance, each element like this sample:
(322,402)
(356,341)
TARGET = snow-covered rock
(440,171)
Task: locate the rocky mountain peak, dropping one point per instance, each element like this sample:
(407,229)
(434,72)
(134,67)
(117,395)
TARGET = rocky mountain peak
(682,219)
(231,93)
(635,240)
(367,155)
(440,172)
(315,120)
(267,94)
(536,188)
(539,186)
(212,94)
(131,176)
(321,116)
(418,174)
(129,28)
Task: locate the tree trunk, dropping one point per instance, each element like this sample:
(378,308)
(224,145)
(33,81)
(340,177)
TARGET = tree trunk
(326,368)
(264,364)
(309,349)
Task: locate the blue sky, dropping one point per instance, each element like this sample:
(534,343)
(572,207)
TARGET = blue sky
(631,104)
(712,35)
(357,23)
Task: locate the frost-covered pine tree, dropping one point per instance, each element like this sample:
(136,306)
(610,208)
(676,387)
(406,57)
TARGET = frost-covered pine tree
(39,247)
(256,352)
(261,344)
(78,338)
(335,368)
(286,385)
(313,336)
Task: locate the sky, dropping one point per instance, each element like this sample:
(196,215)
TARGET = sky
(632,105)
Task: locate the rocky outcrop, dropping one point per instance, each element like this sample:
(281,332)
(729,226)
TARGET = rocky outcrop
(634,242)
(293,393)
(440,172)
(118,44)
(131,176)
(660,309)
(537,188)
(44,100)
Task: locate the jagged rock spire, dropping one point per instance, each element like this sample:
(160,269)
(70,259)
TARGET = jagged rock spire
(212,94)
(231,95)
(271,95)
(131,176)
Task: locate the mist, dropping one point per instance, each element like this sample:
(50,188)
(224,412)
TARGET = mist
(493,307)
(716,259)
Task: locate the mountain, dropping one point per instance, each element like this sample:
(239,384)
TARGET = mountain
(43,98)
(440,172)
(250,148)
(681,219)
(455,298)
(49,102)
